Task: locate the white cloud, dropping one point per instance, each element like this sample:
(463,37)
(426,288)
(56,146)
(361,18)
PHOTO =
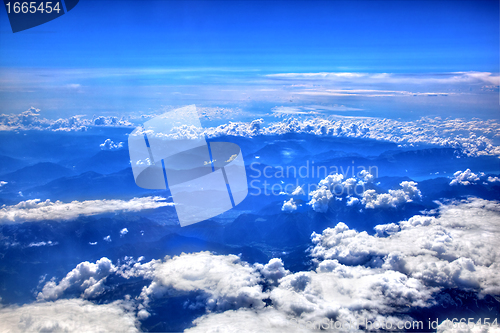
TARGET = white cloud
(383,230)
(225,281)
(38,244)
(273,270)
(340,291)
(351,201)
(245,321)
(357,276)
(455,250)
(110,145)
(73,315)
(366,176)
(408,193)
(298,191)
(373,78)
(289,206)
(464,178)
(493,179)
(36,210)
(32,120)
(425,131)
(320,199)
(123,232)
(87,278)
(334,185)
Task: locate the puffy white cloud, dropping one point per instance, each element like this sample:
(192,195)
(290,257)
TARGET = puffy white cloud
(32,120)
(224,281)
(123,232)
(455,250)
(351,201)
(425,131)
(298,191)
(493,179)
(408,193)
(289,206)
(2,183)
(273,270)
(320,199)
(342,292)
(331,181)
(110,145)
(335,185)
(357,276)
(36,210)
(383,230)
(464,178)
(435,131)
(73,315)
(86,278)
(366,176)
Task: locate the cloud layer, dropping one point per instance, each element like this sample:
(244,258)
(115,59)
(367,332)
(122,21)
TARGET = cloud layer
(72,315)
(356,277)
(36,210)
(474,137)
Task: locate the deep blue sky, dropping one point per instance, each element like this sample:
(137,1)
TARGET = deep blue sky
(393,36)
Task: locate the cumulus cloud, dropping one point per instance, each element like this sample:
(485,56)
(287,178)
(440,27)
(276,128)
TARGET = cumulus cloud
(289,206)
(493,179)
(110,145)
(298,191)
(32,120)
(366,176)
(225,282)
(464,178)
(273,271)
(87,278)
(455,250)
(36,210)
(73,315)
(356,276)
(394,198)
(351,201)
(335,186)
(320,199)
(424,131)
(123,232)
(345,292)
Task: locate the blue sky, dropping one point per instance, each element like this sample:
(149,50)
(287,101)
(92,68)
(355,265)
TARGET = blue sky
(373,36)
(126,57)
